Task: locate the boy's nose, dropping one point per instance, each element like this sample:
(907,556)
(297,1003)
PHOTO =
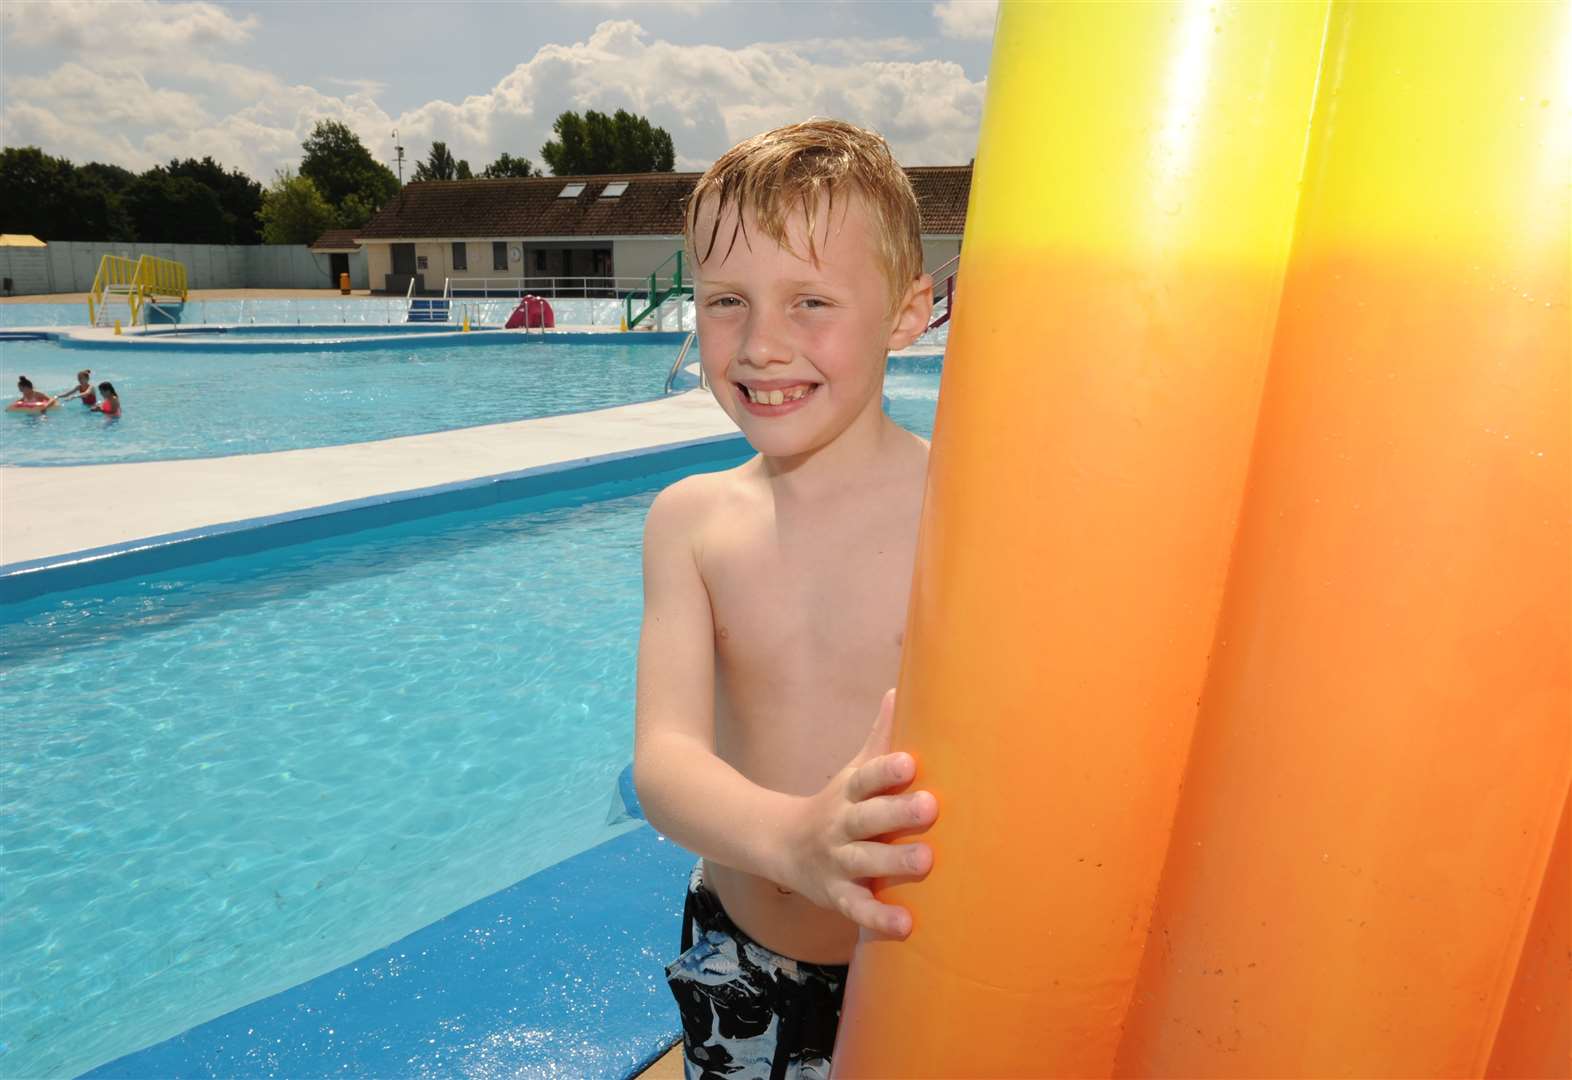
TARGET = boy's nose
(765,342)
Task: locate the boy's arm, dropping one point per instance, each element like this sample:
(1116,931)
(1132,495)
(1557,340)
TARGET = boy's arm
(688,792)
(824,846)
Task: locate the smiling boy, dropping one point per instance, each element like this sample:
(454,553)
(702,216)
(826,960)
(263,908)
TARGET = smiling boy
(775,599)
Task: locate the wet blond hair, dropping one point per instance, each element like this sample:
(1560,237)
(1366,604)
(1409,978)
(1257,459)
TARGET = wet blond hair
(805,166)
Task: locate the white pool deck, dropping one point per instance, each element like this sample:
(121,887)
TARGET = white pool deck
(47,512)
(56,511)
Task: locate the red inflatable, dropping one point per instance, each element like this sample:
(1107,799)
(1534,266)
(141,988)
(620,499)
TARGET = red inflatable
(532,312)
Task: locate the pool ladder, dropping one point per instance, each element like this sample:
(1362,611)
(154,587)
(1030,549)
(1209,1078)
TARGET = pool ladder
(676,365)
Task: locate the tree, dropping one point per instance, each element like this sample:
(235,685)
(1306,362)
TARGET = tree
(240,196)
(339,165)
(440,165)
(354,212)
(597,143)
(175,210)
(96,204)
(293,210)
(52,199)
(509,166)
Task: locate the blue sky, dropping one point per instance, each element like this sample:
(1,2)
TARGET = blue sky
(136,82)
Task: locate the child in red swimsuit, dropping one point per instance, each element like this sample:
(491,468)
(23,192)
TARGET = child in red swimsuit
(110,405)
(83,387)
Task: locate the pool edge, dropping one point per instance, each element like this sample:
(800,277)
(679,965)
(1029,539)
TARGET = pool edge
(28,579)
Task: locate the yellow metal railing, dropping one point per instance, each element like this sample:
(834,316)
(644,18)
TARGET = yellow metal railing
(148,278)
(161,278)
(116,274)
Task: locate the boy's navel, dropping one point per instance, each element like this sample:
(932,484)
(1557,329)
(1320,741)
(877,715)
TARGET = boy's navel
(722,632)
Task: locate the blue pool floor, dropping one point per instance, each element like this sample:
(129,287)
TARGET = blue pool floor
(556,975)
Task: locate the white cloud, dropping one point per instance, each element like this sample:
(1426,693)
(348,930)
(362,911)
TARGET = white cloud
(107,95)
(678,7)
(710,97)
(126,111)
(87,26)
(968,20)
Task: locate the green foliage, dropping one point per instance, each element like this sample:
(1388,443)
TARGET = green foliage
(294,211)
(52,199)
(597,143)
(354,212)
(191,201)
(339,165)
(175,209)
(240,196)
(440,165)
(509,166)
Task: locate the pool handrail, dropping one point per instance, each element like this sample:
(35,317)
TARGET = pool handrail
(944,277)
(676,365)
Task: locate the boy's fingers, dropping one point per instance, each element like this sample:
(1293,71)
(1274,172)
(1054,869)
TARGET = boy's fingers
(891,814)
(857,904)
(888,773)
(867,859)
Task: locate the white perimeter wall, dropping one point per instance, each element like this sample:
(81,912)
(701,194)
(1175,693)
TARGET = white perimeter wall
(69,265)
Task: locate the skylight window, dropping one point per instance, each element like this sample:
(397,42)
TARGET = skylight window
(571,191)
(612,191)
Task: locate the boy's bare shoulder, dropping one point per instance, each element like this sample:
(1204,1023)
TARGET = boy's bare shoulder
(687,505)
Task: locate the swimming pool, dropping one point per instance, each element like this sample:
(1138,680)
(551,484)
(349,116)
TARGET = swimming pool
(227,778)
(185,401)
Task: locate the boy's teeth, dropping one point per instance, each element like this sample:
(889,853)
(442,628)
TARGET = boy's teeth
(776,397)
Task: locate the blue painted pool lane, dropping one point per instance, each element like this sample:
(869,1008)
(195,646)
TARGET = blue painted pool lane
(558,975)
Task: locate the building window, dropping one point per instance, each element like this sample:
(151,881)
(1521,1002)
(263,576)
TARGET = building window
(540,260)
(614,191)
(460,257)
(499,254)
(571,191)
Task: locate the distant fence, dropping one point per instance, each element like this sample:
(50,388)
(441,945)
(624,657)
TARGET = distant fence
(69,265)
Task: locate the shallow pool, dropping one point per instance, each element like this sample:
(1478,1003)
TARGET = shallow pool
(225,779)
(196,402)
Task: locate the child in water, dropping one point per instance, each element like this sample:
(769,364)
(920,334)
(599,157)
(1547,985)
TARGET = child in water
(83,390)
(35,401)
(775,599)
(110,405)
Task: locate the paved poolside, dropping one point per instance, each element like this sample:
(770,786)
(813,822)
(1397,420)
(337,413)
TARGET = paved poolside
(53,511)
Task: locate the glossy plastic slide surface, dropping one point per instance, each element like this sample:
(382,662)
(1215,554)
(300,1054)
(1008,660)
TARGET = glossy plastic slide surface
(1240,645)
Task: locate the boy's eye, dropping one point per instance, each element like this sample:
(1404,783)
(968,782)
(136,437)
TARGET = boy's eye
(724,301)
(814,302)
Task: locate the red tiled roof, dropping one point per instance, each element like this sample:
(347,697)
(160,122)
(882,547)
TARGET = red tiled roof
(336,240)
(652,205)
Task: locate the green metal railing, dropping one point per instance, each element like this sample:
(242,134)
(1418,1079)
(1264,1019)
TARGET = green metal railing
(657,295)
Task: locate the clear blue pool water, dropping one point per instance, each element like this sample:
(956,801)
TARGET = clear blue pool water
(222,780)
(197,402)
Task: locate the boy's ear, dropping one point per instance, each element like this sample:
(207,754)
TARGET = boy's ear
(911,317)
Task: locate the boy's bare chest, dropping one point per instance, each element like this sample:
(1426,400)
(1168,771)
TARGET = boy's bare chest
(811,606)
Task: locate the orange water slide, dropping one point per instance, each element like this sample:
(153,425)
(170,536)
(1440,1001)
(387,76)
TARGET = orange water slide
(1240,646)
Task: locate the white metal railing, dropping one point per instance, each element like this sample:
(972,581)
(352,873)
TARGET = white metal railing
(409,297)
(517,287)
(676,365)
